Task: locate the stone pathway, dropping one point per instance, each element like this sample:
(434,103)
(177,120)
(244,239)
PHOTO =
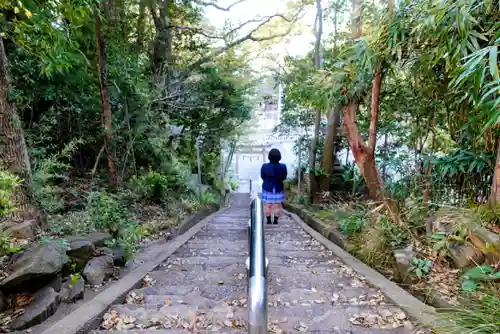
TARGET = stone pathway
(202,287)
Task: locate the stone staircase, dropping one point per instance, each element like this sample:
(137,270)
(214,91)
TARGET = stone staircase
(202,287)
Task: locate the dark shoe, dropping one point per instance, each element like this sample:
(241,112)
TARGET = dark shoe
(268,219)
(275,220)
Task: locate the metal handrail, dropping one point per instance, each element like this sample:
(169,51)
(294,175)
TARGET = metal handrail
(257,264)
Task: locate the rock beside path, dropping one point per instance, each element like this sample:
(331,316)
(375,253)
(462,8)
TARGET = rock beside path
(98,269)
(98,239)
(37,264)
(45,303)
(119,257)
(25,230)
(73,290)
(80,252)
(404,257)
(465,256)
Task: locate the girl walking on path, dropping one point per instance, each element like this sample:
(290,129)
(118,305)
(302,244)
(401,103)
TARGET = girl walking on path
(273,190)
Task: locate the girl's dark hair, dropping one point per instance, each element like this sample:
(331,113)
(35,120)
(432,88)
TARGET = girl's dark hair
(274,155)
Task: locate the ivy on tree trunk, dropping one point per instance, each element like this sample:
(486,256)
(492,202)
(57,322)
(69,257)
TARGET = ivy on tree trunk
(13,151)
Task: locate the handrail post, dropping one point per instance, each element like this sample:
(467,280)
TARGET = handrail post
(257,264)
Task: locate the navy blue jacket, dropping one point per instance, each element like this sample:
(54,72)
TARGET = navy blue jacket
(273,176)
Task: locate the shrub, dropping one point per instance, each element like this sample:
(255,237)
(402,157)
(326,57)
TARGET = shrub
(151,186)
(72,223)
(209,198)
(49,173)
(8,182)
(396,237)
(154,186)
(351,225)
(109,214)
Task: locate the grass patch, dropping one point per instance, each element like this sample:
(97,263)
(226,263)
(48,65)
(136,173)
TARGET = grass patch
(478,316)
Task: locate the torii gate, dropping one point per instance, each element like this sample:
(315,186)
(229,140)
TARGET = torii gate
(251,150)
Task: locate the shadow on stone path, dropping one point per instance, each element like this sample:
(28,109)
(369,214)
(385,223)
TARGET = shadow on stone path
(202,286)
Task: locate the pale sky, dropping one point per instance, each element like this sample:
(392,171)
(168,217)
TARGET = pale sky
(299,44)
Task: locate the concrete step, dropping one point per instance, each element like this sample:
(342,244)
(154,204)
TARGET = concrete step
(202,287)
(175,313)
(164,331)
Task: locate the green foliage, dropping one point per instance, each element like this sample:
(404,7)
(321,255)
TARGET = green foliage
(72,223)
(352,178)
(110,215)
(441,243)
(488,215)
(420,267)
(151,186)
(395,235)
(48,175)
(7,245)
(473,277)
(476,316)
(301,199)
(8,182)
(73,279)
(351,225)
(210,198)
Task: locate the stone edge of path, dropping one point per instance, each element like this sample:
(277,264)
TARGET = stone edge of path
(88,316)
(330,232)
(424,314)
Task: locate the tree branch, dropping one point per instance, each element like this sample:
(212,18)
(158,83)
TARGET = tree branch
(213,4)
(250,36)
(200,31)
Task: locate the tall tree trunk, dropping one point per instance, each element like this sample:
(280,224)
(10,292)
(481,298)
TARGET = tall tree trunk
(141,26)
(13,151)
(105,106)
(318,61)
(329,148)
(162,47)
(364,155)
(495,187)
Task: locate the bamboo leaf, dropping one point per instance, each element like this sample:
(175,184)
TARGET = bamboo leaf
(494,63)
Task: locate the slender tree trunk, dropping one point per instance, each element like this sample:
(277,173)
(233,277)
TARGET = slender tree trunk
(318,60)
(329,148)
(375,110)
(428,177)
(105,106)
(13,151)
(495,187)
(384,168)
(140,26)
